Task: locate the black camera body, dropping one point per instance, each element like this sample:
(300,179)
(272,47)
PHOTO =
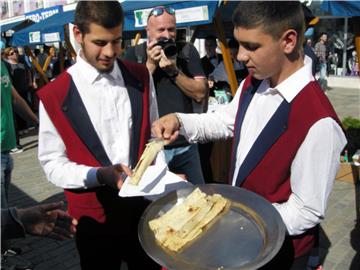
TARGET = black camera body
(168,45)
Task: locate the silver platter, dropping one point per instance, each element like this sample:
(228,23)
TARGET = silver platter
(246,237)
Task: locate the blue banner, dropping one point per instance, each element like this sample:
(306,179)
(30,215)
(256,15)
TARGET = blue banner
(44,13)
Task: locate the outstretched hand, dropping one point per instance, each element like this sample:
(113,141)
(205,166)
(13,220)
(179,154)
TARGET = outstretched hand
(113,176)
(167,128)
(48,220)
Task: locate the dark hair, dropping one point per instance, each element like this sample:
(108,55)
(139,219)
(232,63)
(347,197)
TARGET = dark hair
(107,14)
(211,37)
(275,17)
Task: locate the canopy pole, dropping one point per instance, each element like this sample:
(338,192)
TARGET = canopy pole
(225,53)
(48,59)
(137,38)
(36,63)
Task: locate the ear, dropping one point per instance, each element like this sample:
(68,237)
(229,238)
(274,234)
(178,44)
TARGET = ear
(289,41)
(77,34)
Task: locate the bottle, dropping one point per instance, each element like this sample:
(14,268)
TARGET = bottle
(346,157)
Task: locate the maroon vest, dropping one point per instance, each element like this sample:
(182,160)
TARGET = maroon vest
(266,169)
(63,104)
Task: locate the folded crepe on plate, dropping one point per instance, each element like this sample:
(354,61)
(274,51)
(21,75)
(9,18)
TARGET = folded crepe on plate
(185,221)
(147,157)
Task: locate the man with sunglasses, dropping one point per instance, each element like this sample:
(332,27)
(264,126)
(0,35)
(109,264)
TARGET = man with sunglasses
(95,122)
(180,84)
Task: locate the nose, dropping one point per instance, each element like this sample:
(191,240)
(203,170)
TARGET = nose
(242,55)
(109,50)
(166,34)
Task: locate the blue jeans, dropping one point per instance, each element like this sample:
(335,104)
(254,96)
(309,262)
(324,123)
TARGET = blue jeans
(6,167)
(323,68)
(322,78)
(185,160)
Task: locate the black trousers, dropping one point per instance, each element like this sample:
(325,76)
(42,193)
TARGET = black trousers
(285,260)
(108,252)
(106,245)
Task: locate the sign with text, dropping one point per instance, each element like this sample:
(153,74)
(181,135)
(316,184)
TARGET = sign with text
(42,14)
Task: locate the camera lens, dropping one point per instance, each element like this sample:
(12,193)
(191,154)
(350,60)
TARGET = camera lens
(168,45)
(170,49)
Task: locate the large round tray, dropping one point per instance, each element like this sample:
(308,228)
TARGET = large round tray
(247,236)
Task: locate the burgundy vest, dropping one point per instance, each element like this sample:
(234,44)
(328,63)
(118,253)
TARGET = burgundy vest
(64,106)
(266,169)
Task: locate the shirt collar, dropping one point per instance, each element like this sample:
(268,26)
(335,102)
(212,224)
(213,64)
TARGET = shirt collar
(292,86)
(92,74)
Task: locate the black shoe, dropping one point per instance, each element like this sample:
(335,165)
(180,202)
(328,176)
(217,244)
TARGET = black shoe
(13,251)
(12,261)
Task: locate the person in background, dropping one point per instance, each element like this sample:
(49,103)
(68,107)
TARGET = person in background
(10,101)
(321,53)
(280,119)
(95,121)
(21,78)
(220,74)
(57,62)
(353,64)
(179,81)
(212,59)
(310,21)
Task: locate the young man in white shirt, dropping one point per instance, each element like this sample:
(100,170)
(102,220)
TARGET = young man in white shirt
(95,122)
(287,137)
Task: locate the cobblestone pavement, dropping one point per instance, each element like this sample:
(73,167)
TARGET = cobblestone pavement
(339,242)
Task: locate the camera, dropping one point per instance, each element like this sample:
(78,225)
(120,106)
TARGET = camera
(168,45)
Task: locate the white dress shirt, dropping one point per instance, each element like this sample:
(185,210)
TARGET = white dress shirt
(315,165)
(108,105)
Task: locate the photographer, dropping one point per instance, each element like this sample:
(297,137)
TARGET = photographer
(178,82)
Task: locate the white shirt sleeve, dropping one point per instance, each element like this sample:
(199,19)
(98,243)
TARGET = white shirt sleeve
(52,156)
(312,176)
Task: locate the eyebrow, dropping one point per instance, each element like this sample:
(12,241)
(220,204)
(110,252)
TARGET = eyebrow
(249,44)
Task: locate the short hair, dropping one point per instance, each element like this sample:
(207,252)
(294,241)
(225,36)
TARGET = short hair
(275,17)
(8,50)
(107,14)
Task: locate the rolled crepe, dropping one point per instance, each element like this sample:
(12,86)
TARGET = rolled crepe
(147,157)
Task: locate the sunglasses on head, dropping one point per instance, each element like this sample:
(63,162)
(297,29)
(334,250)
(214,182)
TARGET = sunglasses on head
(157,11)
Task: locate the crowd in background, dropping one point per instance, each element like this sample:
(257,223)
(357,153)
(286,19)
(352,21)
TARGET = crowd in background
(26,79)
